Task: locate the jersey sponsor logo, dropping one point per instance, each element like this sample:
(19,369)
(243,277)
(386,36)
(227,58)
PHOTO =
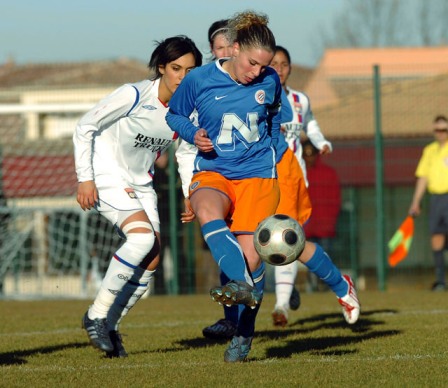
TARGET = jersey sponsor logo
(233,130)
(131,193)
(217,98)
(153,144)
(149,107)
(260,96)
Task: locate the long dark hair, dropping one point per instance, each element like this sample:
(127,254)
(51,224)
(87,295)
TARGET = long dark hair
(284,51)
(169,50)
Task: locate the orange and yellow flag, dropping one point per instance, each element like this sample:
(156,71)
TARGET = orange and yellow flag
(401,241)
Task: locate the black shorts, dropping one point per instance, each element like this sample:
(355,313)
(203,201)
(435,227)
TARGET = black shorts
(438,214)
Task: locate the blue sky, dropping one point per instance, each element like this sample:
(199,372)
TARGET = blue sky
(61,31)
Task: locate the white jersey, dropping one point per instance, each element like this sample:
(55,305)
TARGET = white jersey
(123,135)
(303,120)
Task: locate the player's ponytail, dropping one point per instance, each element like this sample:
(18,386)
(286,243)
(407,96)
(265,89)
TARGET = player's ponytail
(250,29)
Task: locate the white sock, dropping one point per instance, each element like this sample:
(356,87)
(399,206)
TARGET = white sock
(285,278)
(128,297)
(121,268)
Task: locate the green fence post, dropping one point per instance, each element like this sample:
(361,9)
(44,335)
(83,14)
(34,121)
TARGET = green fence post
(379,182)
(191,258)
(173,214)
(353,232)
(84,255)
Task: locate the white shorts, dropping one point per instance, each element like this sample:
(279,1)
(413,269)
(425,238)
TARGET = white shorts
(119,196)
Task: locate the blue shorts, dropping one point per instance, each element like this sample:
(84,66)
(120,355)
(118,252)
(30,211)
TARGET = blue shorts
(438,214)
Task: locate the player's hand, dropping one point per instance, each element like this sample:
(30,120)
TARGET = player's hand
(325,150)
(188,215)
(87,195)
(202,141)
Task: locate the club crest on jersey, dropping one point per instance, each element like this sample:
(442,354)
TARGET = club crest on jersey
(259,96)
(131,193)
(194,185)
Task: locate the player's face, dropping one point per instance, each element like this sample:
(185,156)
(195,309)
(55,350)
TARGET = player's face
(441,132)
(282,66)
(172,75)
(221,48)
(249,63)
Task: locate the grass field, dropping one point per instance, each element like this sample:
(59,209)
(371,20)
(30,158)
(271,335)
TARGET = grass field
(401,340)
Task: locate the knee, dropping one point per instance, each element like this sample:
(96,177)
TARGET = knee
(437,242)
(143,242)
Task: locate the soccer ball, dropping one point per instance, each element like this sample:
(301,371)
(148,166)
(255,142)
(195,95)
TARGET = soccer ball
(279,239)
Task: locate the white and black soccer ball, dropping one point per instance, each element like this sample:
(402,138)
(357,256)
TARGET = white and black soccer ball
(279,239)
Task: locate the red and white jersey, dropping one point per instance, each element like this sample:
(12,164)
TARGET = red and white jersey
(123,135)
(303,120)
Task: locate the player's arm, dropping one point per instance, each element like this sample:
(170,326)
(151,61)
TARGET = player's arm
(316,137)
(182,105)
(275,112)
(419,192)
(312,130)
(185,155)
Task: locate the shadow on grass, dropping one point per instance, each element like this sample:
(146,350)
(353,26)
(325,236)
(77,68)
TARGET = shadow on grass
(19,357)
(365,329)
(325,346)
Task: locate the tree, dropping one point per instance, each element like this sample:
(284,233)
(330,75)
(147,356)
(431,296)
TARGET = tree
(389,23)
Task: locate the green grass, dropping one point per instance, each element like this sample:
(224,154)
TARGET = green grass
(401,340)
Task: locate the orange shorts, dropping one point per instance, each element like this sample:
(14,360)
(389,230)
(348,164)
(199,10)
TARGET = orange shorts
(253,199)
(294,199)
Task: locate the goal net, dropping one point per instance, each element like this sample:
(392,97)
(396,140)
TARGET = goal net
(49,247)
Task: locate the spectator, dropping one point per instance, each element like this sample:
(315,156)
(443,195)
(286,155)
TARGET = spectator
(325,193)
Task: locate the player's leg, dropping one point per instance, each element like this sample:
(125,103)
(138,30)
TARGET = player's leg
(294,202)
(285,276)
(211,199)
(130,294)
(224,328)
(141,280)
(438,223)
(246,217)
(319,263)
(139,235)
(140,239)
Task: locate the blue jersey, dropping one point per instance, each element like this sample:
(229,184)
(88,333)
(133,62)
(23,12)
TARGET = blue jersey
(242,121)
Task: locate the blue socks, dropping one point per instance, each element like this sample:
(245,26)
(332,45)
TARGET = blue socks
(225,250)
(230,312)
(246,322)
(321,265)
(228,254)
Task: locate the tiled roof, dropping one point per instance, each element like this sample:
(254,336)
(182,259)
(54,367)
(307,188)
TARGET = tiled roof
(407,110)
(99,73)
(400,60)
(344,71)
(299,77)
